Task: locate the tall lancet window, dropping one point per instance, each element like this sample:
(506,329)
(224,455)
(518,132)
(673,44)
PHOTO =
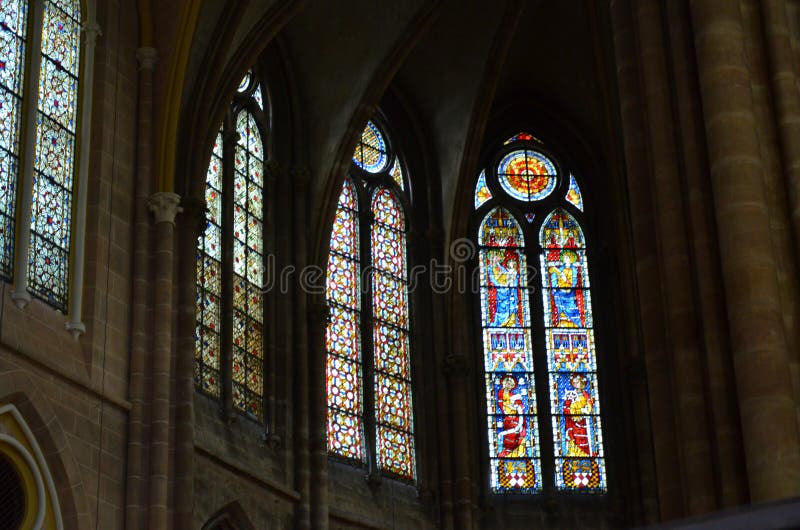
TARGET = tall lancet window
(42,154)
(368,337)
(229,353)
(542,401)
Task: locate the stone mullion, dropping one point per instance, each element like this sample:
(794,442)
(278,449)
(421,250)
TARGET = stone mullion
(768,418)
(707,285)
(229,139)
(673,253)
(270,304)
(653,338)
(367,222)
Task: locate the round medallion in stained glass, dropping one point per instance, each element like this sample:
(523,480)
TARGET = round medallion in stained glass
(527,175)
(245,82)
(370,154)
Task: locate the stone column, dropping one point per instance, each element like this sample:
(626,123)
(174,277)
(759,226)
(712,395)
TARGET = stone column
(456,369)
(164,206)
(135,503)
(768,418)
(673,252)
(318,316)
(75,325)
(651,317)
(709,297)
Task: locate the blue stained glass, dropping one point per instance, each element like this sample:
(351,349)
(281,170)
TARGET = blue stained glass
(574,194)
(527,175)
(574,397)
(482,193)
(370,154)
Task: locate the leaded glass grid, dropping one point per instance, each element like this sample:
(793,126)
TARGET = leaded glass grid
(13,34)
(343,337)
(209,281)
(393,414)
(371,335)
(248,273)
(51,208)
(514,453)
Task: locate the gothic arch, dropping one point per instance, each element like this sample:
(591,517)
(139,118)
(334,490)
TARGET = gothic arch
(47,443)
(230,517)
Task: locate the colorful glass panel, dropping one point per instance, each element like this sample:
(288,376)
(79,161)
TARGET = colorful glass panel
(13,34)
(51,208)
(343,337)
(248,274)
(397,173)
(393,406)
(482,193)
(574,194)
(522,137)
(515,460)
(258,96)
(209,286)
(245,82)
(370,154)
(527,175)
(530,217)
(574,398)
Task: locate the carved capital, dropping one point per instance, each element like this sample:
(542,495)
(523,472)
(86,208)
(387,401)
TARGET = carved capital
(455,365)
(147,57)
(76,328)
(92,30)
(164,205)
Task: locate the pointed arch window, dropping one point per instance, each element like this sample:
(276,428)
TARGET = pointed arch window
(229,352)
(542,402)
(368,335)
(44,122)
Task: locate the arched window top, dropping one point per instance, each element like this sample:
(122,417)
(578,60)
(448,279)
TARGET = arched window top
(250,85)
(244,84)
(387,209)
(561,230)
(482,193)
(249,135)
(370,154)
(500,229)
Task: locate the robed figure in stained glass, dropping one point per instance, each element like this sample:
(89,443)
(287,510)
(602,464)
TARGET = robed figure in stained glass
(505,300)
(578,402)
(566,294)
(510,405)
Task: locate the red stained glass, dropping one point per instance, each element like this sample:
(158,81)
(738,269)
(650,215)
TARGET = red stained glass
(527,175)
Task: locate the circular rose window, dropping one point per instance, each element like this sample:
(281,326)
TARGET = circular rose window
(527,175)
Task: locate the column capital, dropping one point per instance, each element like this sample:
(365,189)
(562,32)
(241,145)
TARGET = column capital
(92,30)
(164,205)
(147,57)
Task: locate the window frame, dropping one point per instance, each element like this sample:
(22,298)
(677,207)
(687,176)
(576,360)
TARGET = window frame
(366,184)
(532,251)
(240,101)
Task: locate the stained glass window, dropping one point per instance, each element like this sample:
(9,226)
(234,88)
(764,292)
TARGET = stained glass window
(522,137)
(209,281)
(508,356)
(235,191)
(386,433)
(370,154)
(482,193)
(574,401)
(343,337)
(527,175)
(51,209)
(511,339)
(13,32)
(574,193)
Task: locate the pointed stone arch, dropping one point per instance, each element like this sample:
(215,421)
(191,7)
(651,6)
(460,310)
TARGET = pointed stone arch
(230,517)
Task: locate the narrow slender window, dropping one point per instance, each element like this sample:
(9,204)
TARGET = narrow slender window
(13,48)
(525,177)
(508,356)
(56,129)
(383,437)
(230,260)
(574,404)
